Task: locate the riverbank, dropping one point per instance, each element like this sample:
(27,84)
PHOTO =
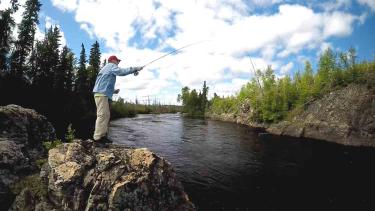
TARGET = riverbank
(344,116)
(121,109)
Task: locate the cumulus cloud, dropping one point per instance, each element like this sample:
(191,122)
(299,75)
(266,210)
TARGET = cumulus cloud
(285,69)
(142,30)
(369,3)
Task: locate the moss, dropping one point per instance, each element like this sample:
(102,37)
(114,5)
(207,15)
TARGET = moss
(51,144)
(40,162)
(34,184)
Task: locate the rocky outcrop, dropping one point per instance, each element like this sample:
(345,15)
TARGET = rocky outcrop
(243,116)
(79,175)
(22,132)
(82,176)
(345,116)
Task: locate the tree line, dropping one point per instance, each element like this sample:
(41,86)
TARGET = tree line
(271,99)
(45,76)
(194,103)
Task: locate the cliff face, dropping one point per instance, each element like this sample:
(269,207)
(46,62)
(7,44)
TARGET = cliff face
(345,116)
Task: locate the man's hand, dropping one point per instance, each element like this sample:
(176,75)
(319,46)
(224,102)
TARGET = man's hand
(116,91)
(137,70)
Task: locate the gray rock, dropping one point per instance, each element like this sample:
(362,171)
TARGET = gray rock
(345,116)
(84,177)
(22,132)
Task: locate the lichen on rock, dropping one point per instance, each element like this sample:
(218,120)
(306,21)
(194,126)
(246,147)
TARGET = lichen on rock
(82,176)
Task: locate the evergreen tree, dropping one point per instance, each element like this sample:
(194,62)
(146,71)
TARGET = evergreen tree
(6,28)
(306,83)
(70,71)
(204,100)
(82,76)
(94,62)
(61,71)
(25,41)
(47,60)
(326,68)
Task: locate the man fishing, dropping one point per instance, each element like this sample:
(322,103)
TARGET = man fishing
(103,91)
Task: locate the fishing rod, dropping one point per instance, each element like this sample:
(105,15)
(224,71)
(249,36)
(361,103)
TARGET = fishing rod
(174,51)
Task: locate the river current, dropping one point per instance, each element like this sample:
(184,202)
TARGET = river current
(226,166)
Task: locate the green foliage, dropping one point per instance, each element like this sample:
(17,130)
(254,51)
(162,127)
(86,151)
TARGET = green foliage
(6,27)
(34,184)
(272,100)
(94,64)
(51,144)
(69,136)
(37,74)
(120,109)
(194,104)
(41,162)
(24,42)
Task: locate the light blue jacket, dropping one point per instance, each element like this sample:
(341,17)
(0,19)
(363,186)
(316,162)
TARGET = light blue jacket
(106,79)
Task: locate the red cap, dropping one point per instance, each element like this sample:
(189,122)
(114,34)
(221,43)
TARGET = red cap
(113,58)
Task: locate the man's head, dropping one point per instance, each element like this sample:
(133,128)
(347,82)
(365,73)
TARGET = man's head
(114,59)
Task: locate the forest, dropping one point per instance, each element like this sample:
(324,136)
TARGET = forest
(45,76)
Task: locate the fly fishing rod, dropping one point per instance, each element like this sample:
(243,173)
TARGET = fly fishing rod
(172,52)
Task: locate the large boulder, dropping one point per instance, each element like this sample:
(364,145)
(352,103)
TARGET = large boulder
(345,116)
(82,176)
(22,132)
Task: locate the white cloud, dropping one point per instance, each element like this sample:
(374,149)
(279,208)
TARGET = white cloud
(128,26)
(370,3)
(335,5)
(49,22)
(65,5)
(338,24)
(285,70)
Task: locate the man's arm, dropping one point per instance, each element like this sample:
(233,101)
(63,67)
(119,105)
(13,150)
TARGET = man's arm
(125,71)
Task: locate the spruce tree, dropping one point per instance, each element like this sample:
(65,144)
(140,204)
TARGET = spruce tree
(70,71)
(82,76)
(61,71)
(25,41)
(94,62)
(6,28)
(47,59)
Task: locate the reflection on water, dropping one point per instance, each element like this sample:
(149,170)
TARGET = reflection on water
(225,166)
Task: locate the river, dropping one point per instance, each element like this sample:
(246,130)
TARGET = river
(226,166)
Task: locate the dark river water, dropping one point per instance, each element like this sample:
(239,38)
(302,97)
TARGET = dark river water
(225,166)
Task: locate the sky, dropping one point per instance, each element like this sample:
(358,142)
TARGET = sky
(280,33)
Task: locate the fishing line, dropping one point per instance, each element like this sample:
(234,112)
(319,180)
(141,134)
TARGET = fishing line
(174,51)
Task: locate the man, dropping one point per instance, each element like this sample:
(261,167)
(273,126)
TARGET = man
(103,92)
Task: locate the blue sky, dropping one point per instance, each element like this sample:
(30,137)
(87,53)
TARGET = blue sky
(273,32)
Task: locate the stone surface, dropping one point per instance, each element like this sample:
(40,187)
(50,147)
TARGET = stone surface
(22,132)
(345,116)
(82,176)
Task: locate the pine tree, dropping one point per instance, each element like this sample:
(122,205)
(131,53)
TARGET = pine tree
(25,41)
